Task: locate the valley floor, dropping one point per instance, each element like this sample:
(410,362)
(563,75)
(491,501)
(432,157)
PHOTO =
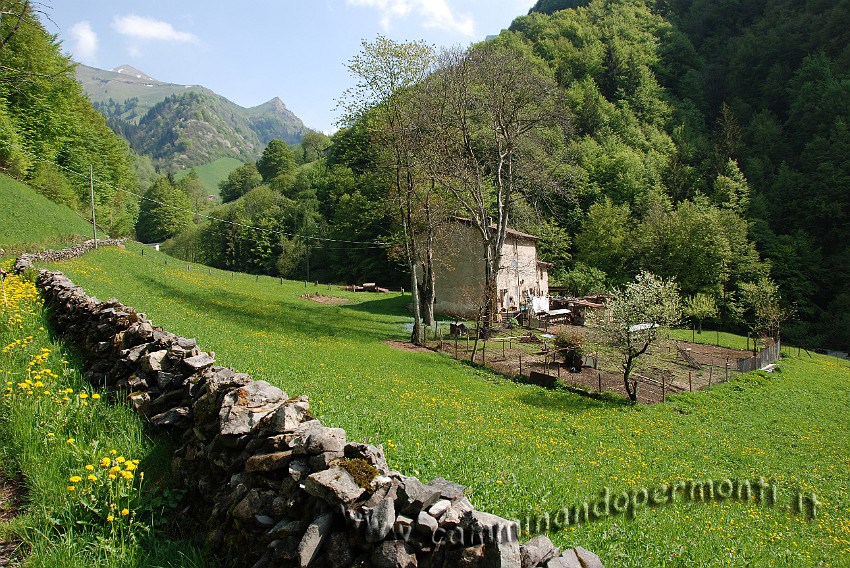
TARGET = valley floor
(524,451)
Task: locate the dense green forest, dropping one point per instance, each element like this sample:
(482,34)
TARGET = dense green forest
(45,117)
(761,83)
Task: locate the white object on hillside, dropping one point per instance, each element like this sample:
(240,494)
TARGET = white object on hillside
(539,304)
(642,327)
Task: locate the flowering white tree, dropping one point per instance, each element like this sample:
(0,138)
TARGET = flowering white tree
(635,315)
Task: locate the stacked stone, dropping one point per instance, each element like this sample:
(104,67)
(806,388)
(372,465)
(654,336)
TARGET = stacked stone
(277,486)
(26,260)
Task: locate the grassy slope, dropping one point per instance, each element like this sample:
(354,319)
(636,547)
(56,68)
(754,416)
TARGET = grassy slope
(213,172)
(30,220)
(521,449)
(49,434)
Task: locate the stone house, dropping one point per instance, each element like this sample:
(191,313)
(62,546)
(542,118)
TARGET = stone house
(459,269)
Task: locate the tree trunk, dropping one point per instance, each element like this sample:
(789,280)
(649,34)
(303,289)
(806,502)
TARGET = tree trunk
(631,386)
(491,271)
(427,288)
(699,328)
(416,336)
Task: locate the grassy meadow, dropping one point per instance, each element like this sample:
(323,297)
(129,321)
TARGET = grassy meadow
(30,221)
(211,173)
(96,493)
(522,450)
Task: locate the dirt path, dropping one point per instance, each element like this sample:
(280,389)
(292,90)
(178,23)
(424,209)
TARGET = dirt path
(11,501)
(321,299)
(407,346)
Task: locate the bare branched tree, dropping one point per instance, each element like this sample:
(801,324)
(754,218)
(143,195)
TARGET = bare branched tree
(387,73)
(486,102)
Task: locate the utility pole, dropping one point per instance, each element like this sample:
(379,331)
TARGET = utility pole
(307,242)
(93,219)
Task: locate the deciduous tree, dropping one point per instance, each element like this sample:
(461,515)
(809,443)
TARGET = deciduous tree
(634,316)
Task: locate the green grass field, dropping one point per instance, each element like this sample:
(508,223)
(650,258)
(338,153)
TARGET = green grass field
(212,173)
(522,450)
(28,220)
(55,431)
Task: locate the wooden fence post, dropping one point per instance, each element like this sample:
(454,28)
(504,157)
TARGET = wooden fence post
(520,363)
(598,382)
(690,383)
(663,393)
(727,368)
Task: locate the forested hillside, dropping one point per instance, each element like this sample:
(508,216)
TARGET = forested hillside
(755,91)
(44,115)
(768,83)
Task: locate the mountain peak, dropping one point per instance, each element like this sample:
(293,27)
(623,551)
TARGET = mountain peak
(132,72)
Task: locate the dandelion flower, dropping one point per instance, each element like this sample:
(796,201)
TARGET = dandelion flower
(105,462)
(75,479)
(125,512)
(110,518)
(70,488)
(120,459)
(83,395)
(92,478)
(70,441)
(89,467)
(95,396)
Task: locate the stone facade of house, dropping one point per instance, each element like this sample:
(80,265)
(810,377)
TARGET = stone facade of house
(459,270)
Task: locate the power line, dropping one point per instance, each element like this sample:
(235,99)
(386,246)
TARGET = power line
(367,244)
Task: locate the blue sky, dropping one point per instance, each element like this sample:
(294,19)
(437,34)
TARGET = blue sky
(251,52)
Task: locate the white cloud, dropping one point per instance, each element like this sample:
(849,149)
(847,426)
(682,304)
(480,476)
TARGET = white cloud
(134,51)
(85,42)
(435,14)
(141,27)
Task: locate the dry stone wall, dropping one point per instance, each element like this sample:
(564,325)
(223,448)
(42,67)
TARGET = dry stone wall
(277,487)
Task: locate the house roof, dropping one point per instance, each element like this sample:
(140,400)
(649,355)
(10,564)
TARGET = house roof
(511,232)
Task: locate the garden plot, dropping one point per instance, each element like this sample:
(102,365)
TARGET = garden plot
(682,365)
